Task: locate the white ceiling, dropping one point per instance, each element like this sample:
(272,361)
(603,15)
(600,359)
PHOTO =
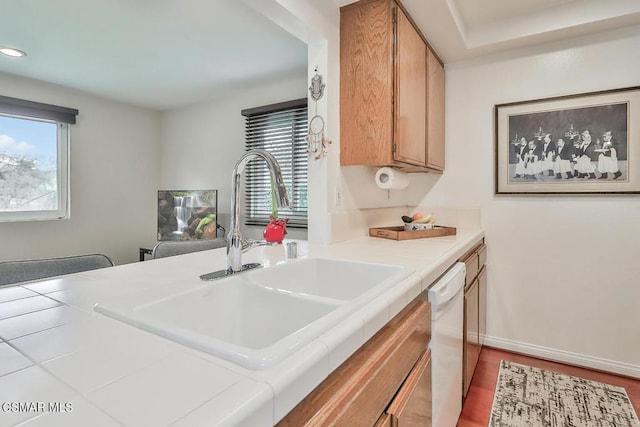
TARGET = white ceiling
(462,29)
(164,54)
(157,54)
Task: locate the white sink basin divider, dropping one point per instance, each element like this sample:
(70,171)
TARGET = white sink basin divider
(257,318)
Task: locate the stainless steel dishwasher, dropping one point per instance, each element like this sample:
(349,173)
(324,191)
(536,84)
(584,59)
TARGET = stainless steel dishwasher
(446,296)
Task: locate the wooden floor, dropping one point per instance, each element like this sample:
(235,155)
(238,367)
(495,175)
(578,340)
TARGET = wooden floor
(477,406)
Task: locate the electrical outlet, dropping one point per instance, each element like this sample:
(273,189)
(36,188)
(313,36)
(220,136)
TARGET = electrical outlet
(338,198)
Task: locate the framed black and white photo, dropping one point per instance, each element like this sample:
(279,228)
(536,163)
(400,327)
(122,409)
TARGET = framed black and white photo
(578,144)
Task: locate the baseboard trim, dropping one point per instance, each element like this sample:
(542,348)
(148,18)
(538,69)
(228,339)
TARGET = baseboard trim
(567,357)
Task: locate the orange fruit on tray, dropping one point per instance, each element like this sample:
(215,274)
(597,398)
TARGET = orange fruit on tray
(416,216)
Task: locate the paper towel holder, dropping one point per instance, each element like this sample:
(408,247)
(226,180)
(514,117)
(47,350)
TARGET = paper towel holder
(388,178)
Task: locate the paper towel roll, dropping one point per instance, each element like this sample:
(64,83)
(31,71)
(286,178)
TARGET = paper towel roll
(390,179)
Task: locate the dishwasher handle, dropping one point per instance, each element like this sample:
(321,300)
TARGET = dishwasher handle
(448,285)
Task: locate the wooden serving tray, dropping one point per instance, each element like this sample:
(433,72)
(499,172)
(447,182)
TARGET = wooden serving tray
(398,233)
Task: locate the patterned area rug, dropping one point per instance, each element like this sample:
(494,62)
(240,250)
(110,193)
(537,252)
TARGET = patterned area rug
(531,397)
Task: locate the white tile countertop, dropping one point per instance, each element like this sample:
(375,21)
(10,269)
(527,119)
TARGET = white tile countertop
(55,350)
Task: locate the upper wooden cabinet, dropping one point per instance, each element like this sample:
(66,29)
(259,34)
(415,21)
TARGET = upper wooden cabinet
(435,112)
(391,90)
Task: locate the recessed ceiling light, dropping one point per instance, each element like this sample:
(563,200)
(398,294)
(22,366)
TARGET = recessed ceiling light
(9,51)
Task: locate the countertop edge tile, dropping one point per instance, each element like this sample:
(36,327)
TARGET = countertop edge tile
(296,376)
(251,403)
(344,341)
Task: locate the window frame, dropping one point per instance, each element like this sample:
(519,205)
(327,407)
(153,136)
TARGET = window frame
(298,215)
(62,117)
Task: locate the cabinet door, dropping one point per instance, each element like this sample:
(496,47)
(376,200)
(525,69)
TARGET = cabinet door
(471,341)
(412,405)
(366,83)
(411,90)
(482,305)
(435,112)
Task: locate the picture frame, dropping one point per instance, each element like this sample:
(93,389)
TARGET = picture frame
(187,214)
(586,143)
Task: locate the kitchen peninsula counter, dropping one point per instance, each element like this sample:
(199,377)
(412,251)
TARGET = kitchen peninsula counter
(98,371)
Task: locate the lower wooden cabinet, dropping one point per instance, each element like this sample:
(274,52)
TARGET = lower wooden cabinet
(412,405)
(359,391)
(475,311)
(471,352)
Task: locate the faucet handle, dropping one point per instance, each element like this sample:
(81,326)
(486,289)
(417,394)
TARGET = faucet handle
(291,250)
(252,243)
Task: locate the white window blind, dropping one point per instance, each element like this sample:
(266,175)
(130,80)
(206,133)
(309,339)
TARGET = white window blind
(279,129)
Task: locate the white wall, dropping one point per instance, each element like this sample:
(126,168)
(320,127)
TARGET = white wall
(201,143)
(316,22)
(114,173)
(563,271)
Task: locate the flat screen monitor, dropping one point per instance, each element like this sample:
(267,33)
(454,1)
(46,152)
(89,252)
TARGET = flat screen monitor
(187,214)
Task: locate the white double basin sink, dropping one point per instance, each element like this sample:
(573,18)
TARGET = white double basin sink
(258,318)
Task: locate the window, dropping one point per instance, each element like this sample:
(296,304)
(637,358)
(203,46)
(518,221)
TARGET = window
(279,129)
(34,166)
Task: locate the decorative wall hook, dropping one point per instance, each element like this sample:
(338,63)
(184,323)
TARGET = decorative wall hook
(317,87)
(316,141)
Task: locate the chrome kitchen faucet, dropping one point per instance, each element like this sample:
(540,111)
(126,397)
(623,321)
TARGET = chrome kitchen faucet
(236,245)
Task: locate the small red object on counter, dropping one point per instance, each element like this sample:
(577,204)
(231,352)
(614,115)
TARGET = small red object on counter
(275,230)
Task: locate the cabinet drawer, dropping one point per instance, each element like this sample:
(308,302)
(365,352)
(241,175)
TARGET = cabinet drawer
(412,405)
(358,392)
(482,256)
(384,421)
(471,263)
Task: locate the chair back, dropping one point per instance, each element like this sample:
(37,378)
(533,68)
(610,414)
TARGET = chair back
(33,269)
(171,248)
